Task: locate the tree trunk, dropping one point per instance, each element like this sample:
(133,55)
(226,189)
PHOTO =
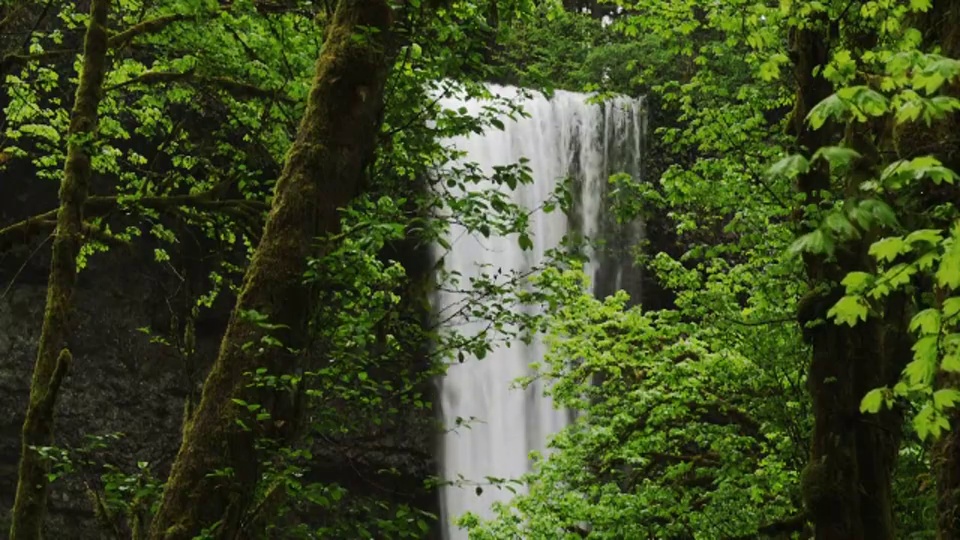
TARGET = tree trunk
(941,28)
(323,172)
(847,483)
(53,356)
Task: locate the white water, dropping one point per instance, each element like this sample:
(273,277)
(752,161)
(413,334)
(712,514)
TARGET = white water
(563,137)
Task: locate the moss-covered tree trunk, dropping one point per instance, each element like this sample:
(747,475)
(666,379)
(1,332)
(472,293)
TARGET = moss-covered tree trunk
(323,172)
(53,356)
(847,483)
(941,29)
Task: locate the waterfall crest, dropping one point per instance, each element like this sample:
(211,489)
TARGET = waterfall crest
(563,137)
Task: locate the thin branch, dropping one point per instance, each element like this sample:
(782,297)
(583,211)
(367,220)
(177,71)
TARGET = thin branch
(235,88)
(149,26)
(16,59)
(98,206)
(783,320)
(14,12)
(116,41)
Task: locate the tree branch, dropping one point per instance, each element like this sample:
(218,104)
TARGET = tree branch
(114,42)
(149,26)
(98,206)
(235,88)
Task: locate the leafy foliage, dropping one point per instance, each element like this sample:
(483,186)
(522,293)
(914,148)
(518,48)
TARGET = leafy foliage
(694,416)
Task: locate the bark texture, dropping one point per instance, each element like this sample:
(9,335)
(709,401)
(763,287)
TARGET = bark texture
(847,482)
(323,172)
(53,355)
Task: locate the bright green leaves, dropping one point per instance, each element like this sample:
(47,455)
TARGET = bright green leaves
(948,273)
(901,173)
(919,376)
(837,156)
(846,221)
(875,399)
(937,346)
(863,101)
(907,75)
(888,249)
(841,69)
(857,282)
(817,242)
(929,247)
(930,422)
(936,73)
(849,310)
(770,69)
(856,102)
(929,250)
(926,323)
(831,107)
(789,167)
(948,397)
(924,237)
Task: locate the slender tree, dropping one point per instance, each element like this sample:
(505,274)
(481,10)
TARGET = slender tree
(53,355)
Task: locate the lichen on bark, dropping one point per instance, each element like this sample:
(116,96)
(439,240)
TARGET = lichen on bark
(53,356)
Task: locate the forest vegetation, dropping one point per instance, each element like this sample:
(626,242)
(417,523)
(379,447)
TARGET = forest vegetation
(280,170)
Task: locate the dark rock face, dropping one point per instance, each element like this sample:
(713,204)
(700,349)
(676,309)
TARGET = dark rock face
(119,382)
(122,382)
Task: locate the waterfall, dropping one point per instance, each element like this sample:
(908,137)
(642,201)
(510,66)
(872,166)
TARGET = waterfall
(563,137)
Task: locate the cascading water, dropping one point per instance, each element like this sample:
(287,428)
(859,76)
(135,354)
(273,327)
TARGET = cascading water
(563,137)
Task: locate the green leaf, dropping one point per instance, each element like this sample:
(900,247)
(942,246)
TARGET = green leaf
(920,371)
(872,401)
(938,174)
(909,111)
(928,423)
(898,275)
(927,322)
(925,261)
(856,282)
(951,362)
(849,310)
(948,274)
(881,212)
(839,224)
(951,307)
(526,243)
(870,102)
(831,107)
(789,167)
(816,242)
(925,236)
(837,156)
(946,398)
